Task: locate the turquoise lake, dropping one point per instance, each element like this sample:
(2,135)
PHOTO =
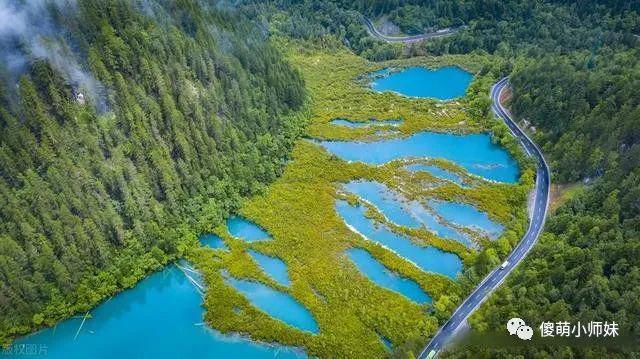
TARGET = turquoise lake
(382,276)
(384,200)
(161,317)
(474,152)
(434,224)
(468,216)
(213,241)
(427,258)
(274,267)
(246,230)
(405,213)
(279,305)
(445,83)
(357,124)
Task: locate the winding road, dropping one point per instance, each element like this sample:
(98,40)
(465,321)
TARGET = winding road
(413,38)
(536,225)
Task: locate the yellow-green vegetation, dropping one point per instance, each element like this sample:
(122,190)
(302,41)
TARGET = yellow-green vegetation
(562,193)
(298,212)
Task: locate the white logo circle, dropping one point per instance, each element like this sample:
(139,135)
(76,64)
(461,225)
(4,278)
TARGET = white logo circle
(513,324)
(525,332)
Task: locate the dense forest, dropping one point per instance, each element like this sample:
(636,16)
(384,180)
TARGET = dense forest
(125,129)
(587,265)
(575,71)
(587,105)
(503,27)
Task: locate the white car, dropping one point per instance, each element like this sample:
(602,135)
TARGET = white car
(504,265)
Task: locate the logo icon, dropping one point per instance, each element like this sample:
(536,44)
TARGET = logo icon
(518,327)
(525,332)
(513,324)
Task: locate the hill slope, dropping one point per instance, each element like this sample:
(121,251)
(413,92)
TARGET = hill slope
(125,129)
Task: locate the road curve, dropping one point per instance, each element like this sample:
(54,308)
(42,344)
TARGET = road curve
(536,224)
(414,38)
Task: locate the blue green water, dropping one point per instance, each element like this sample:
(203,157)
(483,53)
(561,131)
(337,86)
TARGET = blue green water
(387,343)
(274,267)
(436,171)
(212,241)
(432,223)
(357,124)
(279,305)
(468,216)
(444,83)
(246,230)
(381,275)
(474,152)
(159,318)
(427,258)
(385,200)
(410,214)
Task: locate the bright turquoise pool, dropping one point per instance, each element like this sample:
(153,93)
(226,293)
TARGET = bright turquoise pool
(474,152)
(444,83)
(428,258)
(161,317)
(382,276)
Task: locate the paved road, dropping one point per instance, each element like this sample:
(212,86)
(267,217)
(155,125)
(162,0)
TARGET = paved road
(414,38)
(497,276)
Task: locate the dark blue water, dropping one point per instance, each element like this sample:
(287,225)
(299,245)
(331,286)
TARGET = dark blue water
(274,267)
(279,305)
(436,171)
(468,216)
(244,229)
(474,152)
(381,275)
(387,343)
(212,241)
(427,258)
(445,83)
(159,318)
(354,124)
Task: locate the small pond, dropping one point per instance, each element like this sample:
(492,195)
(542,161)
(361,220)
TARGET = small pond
(385,200)
(445,83)
(468,216)
(387,343)
(405,213)
(274,267)
(432,223)
(279,305)
(357,124)
(244,229)
(427,258)
(212,241)
(382,276)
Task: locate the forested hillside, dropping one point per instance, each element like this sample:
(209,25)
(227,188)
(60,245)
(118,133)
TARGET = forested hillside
(587,264)
(125,129)
(505,27)
(587,105)
(575,72)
